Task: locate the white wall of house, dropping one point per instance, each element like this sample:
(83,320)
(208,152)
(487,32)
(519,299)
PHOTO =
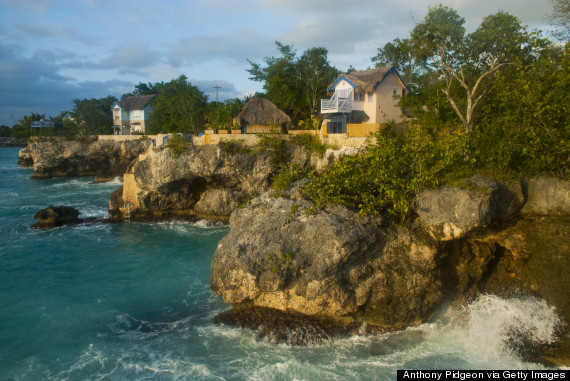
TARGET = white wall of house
(388,95)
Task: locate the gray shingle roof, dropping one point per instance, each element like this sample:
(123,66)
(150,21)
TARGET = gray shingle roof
(137,102)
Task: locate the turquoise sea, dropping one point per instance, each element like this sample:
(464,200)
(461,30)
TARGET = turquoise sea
(132,302)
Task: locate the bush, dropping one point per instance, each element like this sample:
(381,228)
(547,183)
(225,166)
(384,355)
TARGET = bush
(176,144)
(311,143)
(389,174)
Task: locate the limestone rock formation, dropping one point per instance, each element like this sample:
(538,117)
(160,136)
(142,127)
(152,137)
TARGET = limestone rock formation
(102,158)
(282,253)
(202,182)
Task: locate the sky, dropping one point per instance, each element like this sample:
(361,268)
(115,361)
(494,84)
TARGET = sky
(55,51)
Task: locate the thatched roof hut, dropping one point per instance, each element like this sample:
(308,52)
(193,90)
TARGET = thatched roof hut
(365,80)
(261,111)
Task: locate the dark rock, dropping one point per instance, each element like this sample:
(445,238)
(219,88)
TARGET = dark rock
(56,216)
(291,328)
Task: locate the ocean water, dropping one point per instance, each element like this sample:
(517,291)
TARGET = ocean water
(132,302)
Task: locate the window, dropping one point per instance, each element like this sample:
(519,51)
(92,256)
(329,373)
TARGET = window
(395,92)
(358,97)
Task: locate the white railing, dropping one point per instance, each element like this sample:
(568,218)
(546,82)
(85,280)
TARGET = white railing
(337,104)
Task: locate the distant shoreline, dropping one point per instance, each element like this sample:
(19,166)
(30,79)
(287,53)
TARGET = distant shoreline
(7,142)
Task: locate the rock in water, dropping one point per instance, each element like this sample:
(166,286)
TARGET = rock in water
(52,216)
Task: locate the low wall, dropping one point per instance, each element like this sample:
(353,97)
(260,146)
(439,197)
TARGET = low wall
(343,140)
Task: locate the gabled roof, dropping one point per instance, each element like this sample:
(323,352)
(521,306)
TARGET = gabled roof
(366,81)
(262,111)
(135,102)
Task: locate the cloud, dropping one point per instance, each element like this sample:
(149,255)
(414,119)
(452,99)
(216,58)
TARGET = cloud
(232,49)
(34,84)
(38,31)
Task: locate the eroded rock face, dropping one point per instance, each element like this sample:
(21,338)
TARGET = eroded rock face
(451,212)
(104,159)
(203,182)
(285,254)
(282,253)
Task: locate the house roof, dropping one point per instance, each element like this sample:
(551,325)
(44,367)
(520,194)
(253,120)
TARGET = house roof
(135,102)
(366,81)
(262,111)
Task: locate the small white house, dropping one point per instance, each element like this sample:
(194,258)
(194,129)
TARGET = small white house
(132,115)
(368,96)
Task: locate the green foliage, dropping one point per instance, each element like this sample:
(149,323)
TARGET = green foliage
(91,116)
(310,142)
(295,84)
(524,127)
(287,174)
(222,115)
(22,128)
(234,147)
(276,145)
(391,172)
(176,144)
(178,107)
(5,131)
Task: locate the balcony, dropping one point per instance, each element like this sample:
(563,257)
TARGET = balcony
(341,102)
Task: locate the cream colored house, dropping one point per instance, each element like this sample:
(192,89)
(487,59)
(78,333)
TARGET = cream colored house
(132,115)
(368,96)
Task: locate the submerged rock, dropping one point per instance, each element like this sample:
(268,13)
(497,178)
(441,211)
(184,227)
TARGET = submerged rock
(52,216)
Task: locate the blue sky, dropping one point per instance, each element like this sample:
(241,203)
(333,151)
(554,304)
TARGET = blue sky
(54,51)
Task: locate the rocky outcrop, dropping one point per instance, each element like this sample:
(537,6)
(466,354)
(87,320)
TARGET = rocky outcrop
(52,217)
(103,159)
(283,253)
(205,181)
(25,158)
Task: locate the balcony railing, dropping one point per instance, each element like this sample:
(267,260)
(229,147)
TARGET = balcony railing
(337,103)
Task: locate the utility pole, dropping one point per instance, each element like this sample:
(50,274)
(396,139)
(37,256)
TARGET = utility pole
(217,87)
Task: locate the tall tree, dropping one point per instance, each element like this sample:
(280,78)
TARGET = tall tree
(315,75)
(22,128)
(179,107)
(467,62)
(93,116)
(295,84)
(398,53)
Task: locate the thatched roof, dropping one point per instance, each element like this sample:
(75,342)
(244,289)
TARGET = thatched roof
(365,80)
(262,111)
(135,102)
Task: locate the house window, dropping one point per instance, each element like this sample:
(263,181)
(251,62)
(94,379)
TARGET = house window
(370,94)
(358,97)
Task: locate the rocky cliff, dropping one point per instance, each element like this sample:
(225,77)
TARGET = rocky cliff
(104,159)
(205,181)
(282,253)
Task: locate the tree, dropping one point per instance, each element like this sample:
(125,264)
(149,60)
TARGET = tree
(467,62)
(398,53)
(222,115)
(5,131)
(295,84)
(561,19)
(93,116)
(178,107)
(22,128)
(315,75)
